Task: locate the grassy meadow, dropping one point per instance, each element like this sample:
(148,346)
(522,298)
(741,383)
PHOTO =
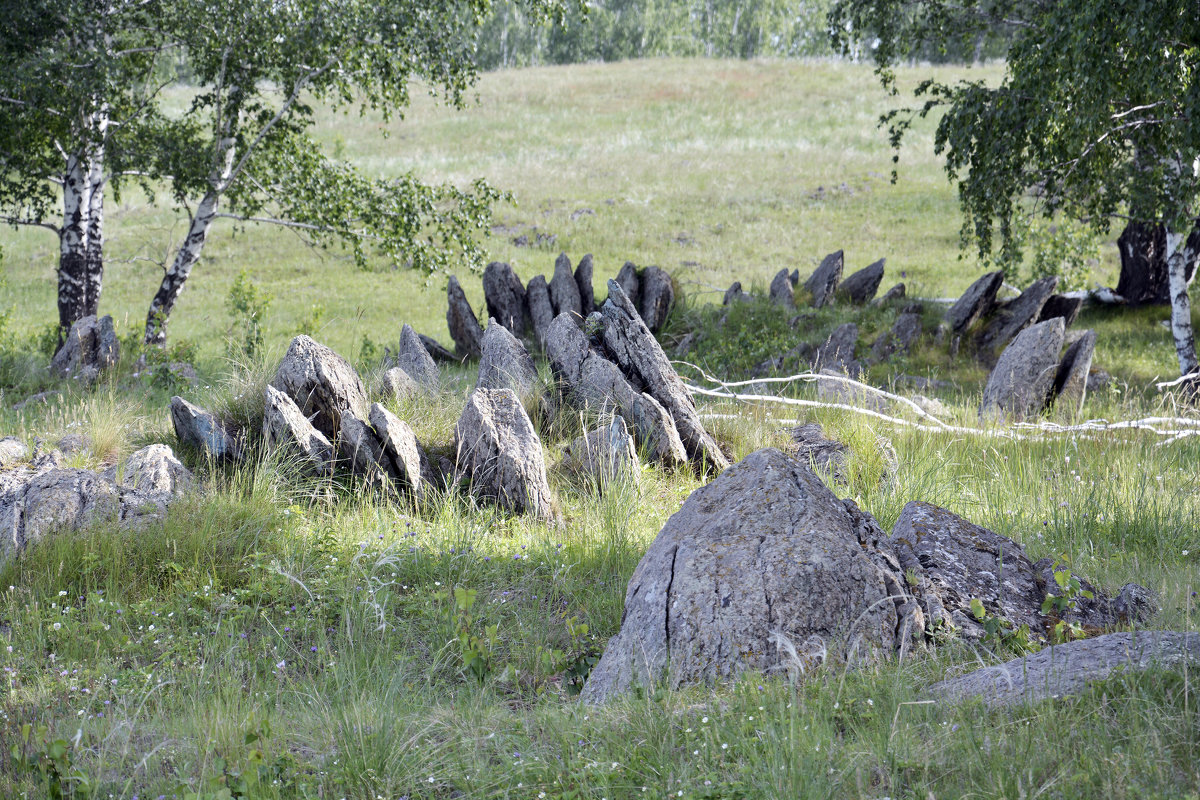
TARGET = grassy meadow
(278,637)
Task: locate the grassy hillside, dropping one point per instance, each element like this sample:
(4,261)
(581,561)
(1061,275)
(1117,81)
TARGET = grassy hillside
(280,638)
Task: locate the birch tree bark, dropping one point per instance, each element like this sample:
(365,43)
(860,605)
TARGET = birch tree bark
(72,260)
(1178,255)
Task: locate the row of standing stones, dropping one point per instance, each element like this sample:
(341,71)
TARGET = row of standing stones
(1022,339)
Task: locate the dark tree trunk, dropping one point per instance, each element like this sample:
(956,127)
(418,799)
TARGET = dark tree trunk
(1144,277)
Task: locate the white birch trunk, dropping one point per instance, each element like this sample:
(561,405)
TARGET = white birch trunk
(1178,256)
(94,249)
(72,259)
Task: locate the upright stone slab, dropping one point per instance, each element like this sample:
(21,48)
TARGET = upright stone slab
(505,297)
(638,354)
(781,293)
(501,454)
(1016,315)
(89,348)
(1059,305)
(824,281)
(286,428)
(564,292)
(414,359)
(977,301)
(435,350)
(402,453)
(464,326)
(361,453)
(1070,382)
(891,295)
(201,431)
(658,297)
(506,364)
(541,310)
(583,280)
(861,286)
(1023,377)
(322,385)
(630,283)
(395,382)
(733,294)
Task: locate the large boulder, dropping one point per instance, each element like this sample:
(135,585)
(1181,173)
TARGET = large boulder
(505,297)
(781,292)
(1016,315)
(630,282)
(286,428)
(505,363)
(414,359)
(658,297)
(1023,377)
(464,326)
(824,281)
(203,432)
(1070,382)
(541,310)
(761,570)
(606,454)
(596,384)
(322,384)
(501,453)
(90,348)
(1067,669)
(583,279)
(404,458)
(861,286)
(155,468)
(564,292)
(638,354)
(977,301)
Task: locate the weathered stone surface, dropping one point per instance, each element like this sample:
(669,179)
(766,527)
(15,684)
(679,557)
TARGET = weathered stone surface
(404,457)
(541,310)
(12,450)
(1016,315)
(899,339)
(1058,305)
(861,286)
(733,294)
(501,453)
(564,292)
(1067,669)
(819,452)
(837,353)
(285,427)
(595,383)
(395,382)
(638,354)
(414,359)
(505,297)
(658,297)
(977,301)
(1070,383)
(90,347)
(201,431)
(506,364)
(435,350)
(322,384)
(782,293)
(824,281)
(795,278)
(360,452)
(67,498)
(155,468)
(583,279)
(891,295)
(606,454)
(74,443)
(759,570)
(464,326)
(630,283)
(1023,377)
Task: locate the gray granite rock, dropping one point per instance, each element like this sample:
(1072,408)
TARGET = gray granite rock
(824,281)
(404,457)
(977,301)
(286,429)
(89,348)
(630,283)
(541,310)
(464,326)
(583,280)
(564,292)
(891,295)
(395,382)
(658,298)
(1016,315)
(505,363)
(1061,306)
(414,359)
(1021,382)
(505,297)
(898,339)
(322,385)
(606,454)
(837,352)
(734,294)
(860,287)
(782,293)
(204,433)
(12,450)
(1071,380)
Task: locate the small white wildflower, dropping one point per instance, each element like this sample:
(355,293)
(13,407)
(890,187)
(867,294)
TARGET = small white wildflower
(724,745)
(57,625)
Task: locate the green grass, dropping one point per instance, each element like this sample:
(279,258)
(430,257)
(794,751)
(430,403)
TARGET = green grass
(306,638)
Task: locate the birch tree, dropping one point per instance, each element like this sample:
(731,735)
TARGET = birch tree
(1097,117)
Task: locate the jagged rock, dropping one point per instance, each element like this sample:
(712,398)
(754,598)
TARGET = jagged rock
(204,433)
(891,295)
(658,297)
(1071,381)
(583,279)
(782,293)
(1067,669)
(1058,305)
(977,301)
(464,326)
(505,297)
(414,359)
(595,383)
(74,443)
(1134,604)
(90,347)
(1016,315)
(435,350)
(155,469)
(795,278)
(837,353)
(861,286)
(403,456)
(733,294)
(395,382)
(1020,383)
(541,310)
(322,385)
(63,499)
(814,449)
(635,350)
(899,339)
(505,363)
(564,292)
(500,451)
(360,451)
(12,450)
(606,454)
(824,281)
(630,283)
(286,428)
(761,570)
